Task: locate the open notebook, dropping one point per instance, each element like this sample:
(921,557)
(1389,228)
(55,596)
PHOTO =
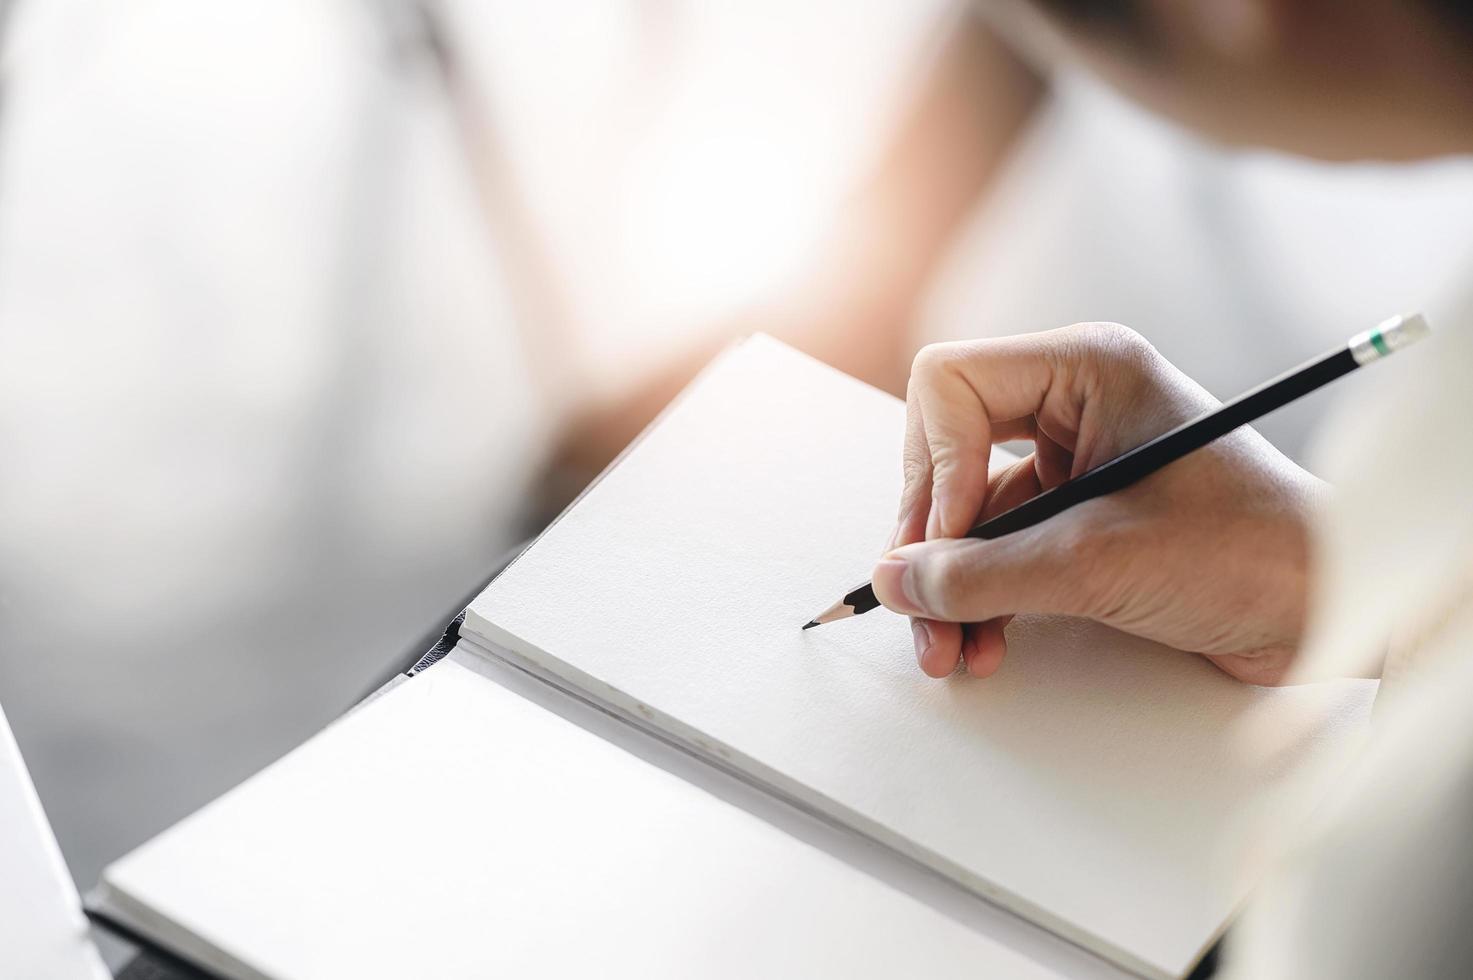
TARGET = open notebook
(1099,786)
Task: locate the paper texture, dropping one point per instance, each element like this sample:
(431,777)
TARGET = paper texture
(452,829)
(1096,784)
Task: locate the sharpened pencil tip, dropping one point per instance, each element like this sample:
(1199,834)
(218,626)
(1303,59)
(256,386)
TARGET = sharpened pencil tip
(835,612)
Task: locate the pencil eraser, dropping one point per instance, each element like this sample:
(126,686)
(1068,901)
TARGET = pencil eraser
(1405,329)
(1388,337)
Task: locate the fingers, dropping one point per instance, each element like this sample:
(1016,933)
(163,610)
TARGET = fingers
(915,497)
(967,396)
(1005,490)
(1043,569)
(984,646)
(1053,463)
(938,645)
(941,645)
(964,397)
(958,435)
(1011,487)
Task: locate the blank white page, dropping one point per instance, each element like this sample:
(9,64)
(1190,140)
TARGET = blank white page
(1096,784)
(453,829)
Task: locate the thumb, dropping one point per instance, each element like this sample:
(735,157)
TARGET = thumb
(968,581)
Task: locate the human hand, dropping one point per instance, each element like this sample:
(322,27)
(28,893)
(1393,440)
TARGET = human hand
(1208,555)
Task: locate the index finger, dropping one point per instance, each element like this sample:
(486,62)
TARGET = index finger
(965,391)
(915,497)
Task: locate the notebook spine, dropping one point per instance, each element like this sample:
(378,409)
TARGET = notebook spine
(442,646)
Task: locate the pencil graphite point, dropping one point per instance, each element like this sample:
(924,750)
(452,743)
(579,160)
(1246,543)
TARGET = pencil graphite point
(837,611)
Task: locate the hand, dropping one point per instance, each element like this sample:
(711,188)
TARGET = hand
(1208,555)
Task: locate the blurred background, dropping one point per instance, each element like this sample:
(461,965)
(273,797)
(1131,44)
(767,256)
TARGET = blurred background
(309,312)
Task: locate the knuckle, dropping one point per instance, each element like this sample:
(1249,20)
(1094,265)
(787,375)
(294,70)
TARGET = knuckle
(1119,333)
(943,586)
(1115,341)
(931,360)
(924,367)
(944,460)
(1096,352)
(915,464)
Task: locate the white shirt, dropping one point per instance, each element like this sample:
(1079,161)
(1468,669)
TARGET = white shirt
(1236,265)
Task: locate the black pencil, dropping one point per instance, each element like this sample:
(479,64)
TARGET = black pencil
(1142,461)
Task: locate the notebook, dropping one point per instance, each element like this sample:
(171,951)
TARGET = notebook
(455,829)
(1106,789)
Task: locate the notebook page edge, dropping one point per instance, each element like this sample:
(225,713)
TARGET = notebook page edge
(483,638)
(168,932)
(173,932)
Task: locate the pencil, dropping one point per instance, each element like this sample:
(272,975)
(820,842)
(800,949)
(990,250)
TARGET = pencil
(1142,461)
